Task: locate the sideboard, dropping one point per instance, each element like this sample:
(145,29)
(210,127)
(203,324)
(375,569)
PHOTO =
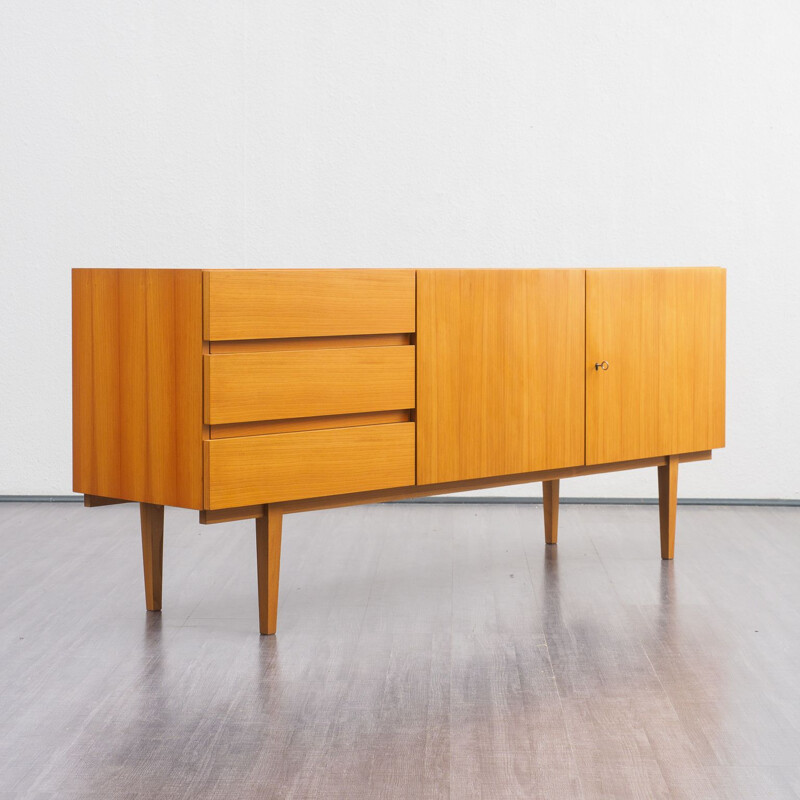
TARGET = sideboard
(250,394)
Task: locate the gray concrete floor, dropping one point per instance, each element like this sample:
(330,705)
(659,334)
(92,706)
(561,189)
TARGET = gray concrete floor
(423,651)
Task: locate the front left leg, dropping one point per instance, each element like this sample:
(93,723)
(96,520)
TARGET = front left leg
(152,519)
(268,556)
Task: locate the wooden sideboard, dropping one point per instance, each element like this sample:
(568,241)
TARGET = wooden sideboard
(257,393)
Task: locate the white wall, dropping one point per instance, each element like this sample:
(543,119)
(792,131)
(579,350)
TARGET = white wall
(404,134)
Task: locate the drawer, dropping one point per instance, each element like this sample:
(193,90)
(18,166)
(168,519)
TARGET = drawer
(246,387)
(290,466)
(267,304)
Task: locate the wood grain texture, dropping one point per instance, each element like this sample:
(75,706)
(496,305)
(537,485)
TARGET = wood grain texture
(263,427)
(281,303)
(137,385)
(500,387)
(662,331)
(244,387)
(152,524)
(268,560)
(287,466)
(550,509)
(668,505)
(84,460)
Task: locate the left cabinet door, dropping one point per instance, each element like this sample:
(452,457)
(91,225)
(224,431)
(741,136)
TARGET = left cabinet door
(500,380)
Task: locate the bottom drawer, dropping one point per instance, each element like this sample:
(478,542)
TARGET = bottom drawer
(293,466)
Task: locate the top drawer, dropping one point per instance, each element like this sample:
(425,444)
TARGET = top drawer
(282,303)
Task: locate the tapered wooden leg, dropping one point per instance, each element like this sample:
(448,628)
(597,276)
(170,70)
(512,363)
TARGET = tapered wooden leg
(668,505)
(268,555)
(550,495)
(152,553)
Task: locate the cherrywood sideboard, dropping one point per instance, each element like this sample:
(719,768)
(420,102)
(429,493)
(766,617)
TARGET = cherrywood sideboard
(257,393)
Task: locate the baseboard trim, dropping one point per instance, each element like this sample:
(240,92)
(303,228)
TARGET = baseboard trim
(41,498)
(606,501)
(512,501)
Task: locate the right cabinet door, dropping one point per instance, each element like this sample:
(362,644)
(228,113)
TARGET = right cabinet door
(655,362)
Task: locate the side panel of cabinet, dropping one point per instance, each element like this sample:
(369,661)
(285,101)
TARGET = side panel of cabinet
(500,380)
(662,333)
(137,385)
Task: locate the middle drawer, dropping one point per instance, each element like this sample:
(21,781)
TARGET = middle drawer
(287,384)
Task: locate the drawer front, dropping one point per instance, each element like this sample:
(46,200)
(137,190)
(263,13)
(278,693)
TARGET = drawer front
(290,466)
(246,387)
(267,304)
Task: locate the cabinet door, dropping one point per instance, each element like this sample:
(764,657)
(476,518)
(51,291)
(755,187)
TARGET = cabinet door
(662,334)
(500,383)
